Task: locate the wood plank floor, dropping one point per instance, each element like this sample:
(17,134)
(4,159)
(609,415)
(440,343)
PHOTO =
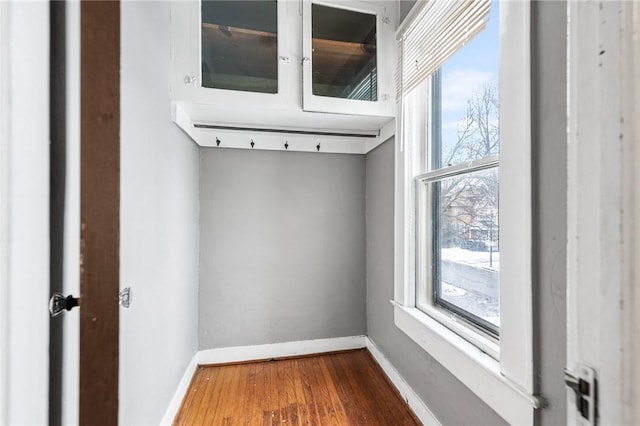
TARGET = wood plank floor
(341,388)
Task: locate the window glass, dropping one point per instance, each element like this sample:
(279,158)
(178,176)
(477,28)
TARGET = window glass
(466,248)
(468,85)
(344,53)
(462,209)
(240,45)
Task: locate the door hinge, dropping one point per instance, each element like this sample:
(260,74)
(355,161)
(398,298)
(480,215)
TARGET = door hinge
(584,385)
(125,297)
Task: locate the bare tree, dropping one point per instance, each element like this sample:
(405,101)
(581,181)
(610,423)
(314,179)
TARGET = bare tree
(479,130)
(469,203)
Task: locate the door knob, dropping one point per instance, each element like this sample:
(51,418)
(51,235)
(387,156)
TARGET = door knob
(59,302)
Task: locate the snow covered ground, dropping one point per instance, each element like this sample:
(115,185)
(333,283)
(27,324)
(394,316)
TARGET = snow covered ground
(481,298)
(481,259)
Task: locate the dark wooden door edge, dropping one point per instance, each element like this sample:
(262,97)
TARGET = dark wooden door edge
(99,211)
(57,173)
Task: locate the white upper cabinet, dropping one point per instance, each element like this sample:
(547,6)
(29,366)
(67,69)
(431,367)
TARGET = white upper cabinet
(292,70)
(231,53)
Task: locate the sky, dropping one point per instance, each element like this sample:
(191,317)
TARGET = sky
(475,65)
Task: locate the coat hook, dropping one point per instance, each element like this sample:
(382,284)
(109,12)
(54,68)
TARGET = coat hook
(318,146)
(252,143)
(217,142)
(286,144)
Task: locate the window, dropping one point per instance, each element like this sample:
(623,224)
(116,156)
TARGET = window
(457,205)
(463,288)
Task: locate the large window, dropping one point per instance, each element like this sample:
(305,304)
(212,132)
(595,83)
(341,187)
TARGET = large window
(463,239)
(457,205)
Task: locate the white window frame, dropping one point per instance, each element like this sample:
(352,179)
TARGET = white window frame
(499,374)
(424,234)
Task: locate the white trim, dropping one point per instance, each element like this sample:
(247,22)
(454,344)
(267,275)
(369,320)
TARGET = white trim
(181,391)
(257,352)
(24,180)
(474,368)
(603,209)
(4,210)
(278,350)
(412,399)
(516,295)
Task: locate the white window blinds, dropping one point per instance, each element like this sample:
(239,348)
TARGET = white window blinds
(437,31)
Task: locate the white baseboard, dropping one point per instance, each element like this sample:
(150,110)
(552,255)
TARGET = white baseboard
(408,394)
(304,347)
(279,350)
(183,386)
(257,352)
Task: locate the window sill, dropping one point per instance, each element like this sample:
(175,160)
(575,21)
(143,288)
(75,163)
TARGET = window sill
(474,368)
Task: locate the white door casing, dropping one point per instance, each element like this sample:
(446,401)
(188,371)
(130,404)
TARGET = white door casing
(603,261)
(24,212)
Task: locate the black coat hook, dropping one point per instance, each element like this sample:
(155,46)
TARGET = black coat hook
(252,143)
(318,146)
(217,142)
(286,145)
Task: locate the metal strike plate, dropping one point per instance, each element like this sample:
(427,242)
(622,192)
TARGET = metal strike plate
(584,385)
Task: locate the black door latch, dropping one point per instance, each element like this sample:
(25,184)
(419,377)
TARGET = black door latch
(59,303)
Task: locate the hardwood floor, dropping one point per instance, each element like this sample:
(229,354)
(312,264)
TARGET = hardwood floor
(341,388)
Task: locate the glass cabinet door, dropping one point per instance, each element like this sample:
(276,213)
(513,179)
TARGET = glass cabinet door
(343,53)
(343,56)
(227,53)
(240,45)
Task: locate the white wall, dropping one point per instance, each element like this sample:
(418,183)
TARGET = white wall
(159,222)
(24,212)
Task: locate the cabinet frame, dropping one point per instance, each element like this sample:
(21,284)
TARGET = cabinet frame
(385,57)
(186,65)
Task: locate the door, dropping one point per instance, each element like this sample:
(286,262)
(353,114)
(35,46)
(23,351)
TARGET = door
(99,211)
(84,211)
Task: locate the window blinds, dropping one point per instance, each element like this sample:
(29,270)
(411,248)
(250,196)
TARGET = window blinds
(437,31)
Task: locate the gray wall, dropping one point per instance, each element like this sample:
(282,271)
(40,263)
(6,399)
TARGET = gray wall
(282,254)
(451,401)
(159,222)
